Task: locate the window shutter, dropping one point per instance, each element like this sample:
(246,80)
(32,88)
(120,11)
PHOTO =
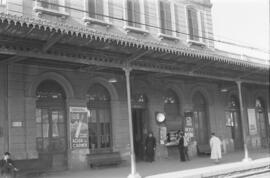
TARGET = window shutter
(130,12)
(177,23)
(137,13)
(147,14)
(99,9)
(45,4)
(91,8)
(168,19)
(111,9)
(162,17)
(193,24)
(54,4)
(203,27)
(190,27)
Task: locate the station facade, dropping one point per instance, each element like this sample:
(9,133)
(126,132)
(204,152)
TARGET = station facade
(59,65)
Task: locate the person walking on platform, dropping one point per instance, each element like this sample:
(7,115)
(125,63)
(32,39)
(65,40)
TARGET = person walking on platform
(181,147)
(186,143)
(215,145)
(150,147)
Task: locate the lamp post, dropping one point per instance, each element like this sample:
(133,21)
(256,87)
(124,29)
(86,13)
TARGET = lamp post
(133,173)
(246,158)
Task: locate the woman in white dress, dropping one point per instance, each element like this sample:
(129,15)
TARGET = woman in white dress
(215,145)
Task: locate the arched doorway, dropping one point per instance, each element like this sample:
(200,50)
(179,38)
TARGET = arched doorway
(236,128)
(99,122)
(140,123)
(51,123)
(201,121)
(262,124)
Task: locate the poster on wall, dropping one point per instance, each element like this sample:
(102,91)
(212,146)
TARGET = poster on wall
(189,130)
(163,135)
(78,127)
(229,119)
(252,121)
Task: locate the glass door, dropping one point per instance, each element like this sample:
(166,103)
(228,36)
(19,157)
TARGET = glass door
(51,137)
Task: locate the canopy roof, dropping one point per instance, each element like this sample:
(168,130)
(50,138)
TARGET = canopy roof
(41,42)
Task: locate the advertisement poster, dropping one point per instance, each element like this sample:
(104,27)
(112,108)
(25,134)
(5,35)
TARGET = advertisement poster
(163,135)
(78,127)
(189,130)
(252,122)
(229,119)
(172,138)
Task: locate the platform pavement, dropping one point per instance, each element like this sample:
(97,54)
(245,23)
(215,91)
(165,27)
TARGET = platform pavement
(160,167)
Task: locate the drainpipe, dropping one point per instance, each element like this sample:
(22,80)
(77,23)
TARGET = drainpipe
(246,158)
(133,173)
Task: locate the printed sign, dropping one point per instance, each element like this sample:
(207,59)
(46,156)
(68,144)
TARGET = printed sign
(229,119)
(79,127)
(189,130)
(163,134)
(252,122)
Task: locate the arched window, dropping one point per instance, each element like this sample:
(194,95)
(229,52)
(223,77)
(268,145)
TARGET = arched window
(201,128)
(261,121)
(51,136)
(100,134)
(236,129)
(171,105)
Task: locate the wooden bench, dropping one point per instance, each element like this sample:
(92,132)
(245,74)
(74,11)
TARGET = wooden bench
(103,159)
(203,149)
(30,167)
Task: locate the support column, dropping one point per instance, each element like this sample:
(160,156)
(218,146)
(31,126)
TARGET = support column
(246,158)
(133,173)
(6,110)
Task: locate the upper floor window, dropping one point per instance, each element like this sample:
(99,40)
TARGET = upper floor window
(95,9)
(50,4)
(165,17)
(133,13)
(97,12)
(196,25)
(51,7)
(3,2)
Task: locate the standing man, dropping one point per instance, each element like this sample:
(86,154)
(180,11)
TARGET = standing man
(186,143)
(150,147)
(215,145)
(181,146)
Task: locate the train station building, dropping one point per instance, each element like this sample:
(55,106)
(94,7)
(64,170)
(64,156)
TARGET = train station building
(65,68)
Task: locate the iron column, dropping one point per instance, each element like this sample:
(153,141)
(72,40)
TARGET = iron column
(246,158)
(133,173)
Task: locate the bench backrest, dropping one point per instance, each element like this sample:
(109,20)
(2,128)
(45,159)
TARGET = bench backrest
(30,164)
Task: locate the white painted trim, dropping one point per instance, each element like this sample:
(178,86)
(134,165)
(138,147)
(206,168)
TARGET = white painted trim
(136,30)
(168,37)
(89,20)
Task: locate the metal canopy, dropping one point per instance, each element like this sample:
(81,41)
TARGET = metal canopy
(36,42)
